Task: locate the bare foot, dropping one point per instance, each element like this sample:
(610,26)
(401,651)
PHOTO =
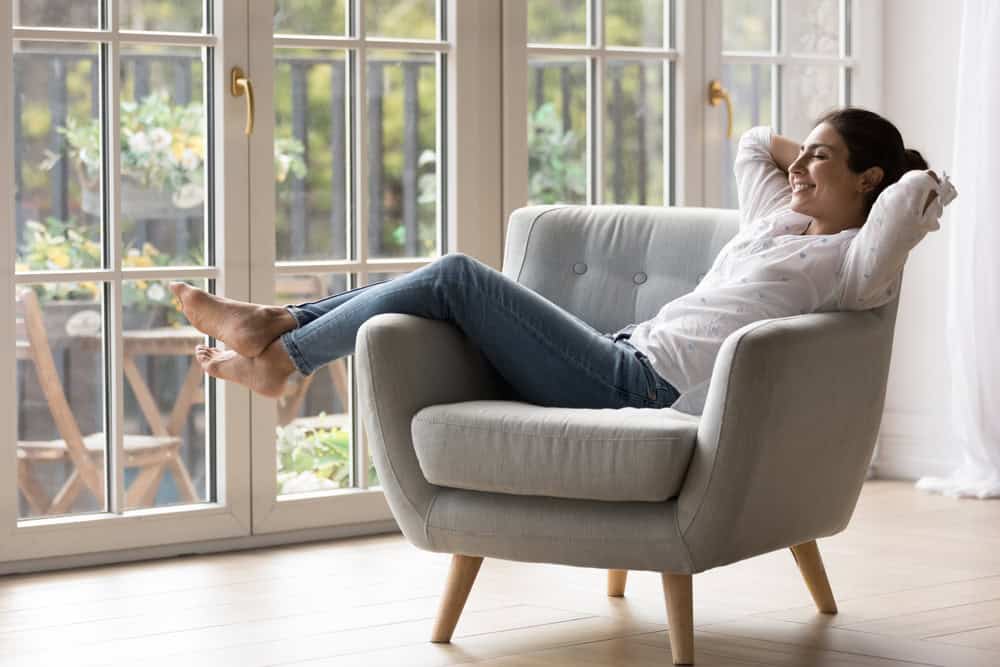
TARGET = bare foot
(246,328)
(265,374)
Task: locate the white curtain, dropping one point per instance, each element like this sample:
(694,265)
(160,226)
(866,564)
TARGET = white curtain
(972,339)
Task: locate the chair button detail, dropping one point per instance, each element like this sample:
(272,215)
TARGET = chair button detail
(579,268)
(639,278)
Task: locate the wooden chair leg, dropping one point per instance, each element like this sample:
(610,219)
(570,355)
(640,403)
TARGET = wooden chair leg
(142,491)
(32,489)
(616,583)
(183,479)
(680,616)
(68,494)
(811,566)
(461,576)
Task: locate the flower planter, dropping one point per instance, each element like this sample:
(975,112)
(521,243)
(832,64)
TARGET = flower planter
(141,203)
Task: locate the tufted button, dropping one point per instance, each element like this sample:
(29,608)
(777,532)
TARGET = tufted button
(639,278)
(579,268)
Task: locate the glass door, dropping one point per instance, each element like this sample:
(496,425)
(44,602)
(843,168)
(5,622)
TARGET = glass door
(122,145)
(783,64)
(347,180)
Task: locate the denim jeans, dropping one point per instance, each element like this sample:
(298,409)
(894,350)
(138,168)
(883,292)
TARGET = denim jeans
(546,355)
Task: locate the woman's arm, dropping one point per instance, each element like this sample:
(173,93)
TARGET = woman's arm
(902,215)
(761,184)
(784,151)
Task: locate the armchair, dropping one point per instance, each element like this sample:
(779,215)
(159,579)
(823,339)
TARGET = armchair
(777,458)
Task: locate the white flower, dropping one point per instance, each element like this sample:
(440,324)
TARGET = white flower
(138,142)
(190,195)
(156,292)
(134,252)
(190,159)
(161,139)
(306,481)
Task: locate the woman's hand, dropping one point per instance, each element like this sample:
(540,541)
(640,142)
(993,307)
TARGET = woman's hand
(932,194)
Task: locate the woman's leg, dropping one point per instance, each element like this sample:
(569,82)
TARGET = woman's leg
(548,356)
(304,313)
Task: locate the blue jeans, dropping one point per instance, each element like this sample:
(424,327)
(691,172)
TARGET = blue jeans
(547,355)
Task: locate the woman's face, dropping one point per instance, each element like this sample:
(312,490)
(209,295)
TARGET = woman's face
(823,186)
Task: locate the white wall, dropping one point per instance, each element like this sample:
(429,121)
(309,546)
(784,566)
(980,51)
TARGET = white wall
(921,40)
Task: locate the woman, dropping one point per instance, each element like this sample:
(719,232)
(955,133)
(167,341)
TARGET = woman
(803,246)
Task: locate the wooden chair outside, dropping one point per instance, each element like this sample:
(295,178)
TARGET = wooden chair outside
(152,454)
(307,288)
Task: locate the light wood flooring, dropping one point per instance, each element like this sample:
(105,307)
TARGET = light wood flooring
(916,577)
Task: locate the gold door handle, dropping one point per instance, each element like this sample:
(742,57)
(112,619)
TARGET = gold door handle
(716,94)
(238,84)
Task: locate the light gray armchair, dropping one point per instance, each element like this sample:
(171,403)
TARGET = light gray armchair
(777,458)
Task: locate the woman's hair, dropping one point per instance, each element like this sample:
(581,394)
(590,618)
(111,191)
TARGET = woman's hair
(872,141)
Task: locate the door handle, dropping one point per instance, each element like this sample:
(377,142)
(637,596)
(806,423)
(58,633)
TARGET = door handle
(239,84)
(717,93)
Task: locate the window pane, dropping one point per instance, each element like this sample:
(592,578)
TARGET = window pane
(163,151)
(310,154)
(164,396)
(557,21)
(403,155)
(746,25)
(807,91)
(57,156)
(57,13)
(750,87)
(308,17)
(634,132)
(315,438)
(162,15)
(557,131)
(60,399)
(401,19)
(634,23)
(814,28)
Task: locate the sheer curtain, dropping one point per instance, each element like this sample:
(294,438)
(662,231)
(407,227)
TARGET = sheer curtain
(973,315)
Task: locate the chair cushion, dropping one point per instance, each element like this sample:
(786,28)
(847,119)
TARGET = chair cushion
(627,454)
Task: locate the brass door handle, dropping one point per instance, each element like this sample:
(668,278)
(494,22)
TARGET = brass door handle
(716,94)
(238,84)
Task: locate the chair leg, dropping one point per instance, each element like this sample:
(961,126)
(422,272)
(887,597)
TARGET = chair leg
(616,583)
(461,576)
(680,616)
(32,489)
(811,566)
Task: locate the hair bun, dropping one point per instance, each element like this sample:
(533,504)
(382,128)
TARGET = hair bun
(914,160)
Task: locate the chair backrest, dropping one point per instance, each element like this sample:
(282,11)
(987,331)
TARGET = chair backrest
(32,323)
(614,265)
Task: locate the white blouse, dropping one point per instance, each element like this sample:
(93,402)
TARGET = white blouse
(769,269)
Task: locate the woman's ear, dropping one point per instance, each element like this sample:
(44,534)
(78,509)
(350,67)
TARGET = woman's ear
(870,178)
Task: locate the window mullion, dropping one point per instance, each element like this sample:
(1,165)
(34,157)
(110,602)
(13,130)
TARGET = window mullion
(113,305)
(597,73)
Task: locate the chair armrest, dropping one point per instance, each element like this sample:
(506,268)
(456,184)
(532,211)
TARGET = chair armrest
(788,430)
(404,364)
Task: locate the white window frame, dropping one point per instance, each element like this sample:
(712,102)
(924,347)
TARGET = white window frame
(229,516)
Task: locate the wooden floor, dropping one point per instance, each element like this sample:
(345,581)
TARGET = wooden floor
(917,578)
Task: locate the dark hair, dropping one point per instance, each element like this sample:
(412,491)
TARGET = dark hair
(872,141)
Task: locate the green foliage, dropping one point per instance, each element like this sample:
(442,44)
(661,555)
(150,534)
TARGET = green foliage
(57,245)
(163,146)
(555,160)
(313,459)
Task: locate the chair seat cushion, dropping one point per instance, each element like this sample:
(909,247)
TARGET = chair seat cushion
(627,454)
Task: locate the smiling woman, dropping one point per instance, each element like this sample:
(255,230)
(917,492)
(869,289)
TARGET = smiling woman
(845,163)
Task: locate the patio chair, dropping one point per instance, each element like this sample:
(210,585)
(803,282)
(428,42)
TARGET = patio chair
(152,454)
(775,460)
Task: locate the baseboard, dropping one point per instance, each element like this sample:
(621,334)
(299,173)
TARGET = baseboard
(912,445)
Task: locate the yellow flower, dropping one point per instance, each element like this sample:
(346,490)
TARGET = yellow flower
(21,266)
(138,260)
(142,285)
(59,257)
(149,249)
(197,145)
(92,248)
(90,288)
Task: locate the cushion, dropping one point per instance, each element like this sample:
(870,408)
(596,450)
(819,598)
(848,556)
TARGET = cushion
(626,454)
